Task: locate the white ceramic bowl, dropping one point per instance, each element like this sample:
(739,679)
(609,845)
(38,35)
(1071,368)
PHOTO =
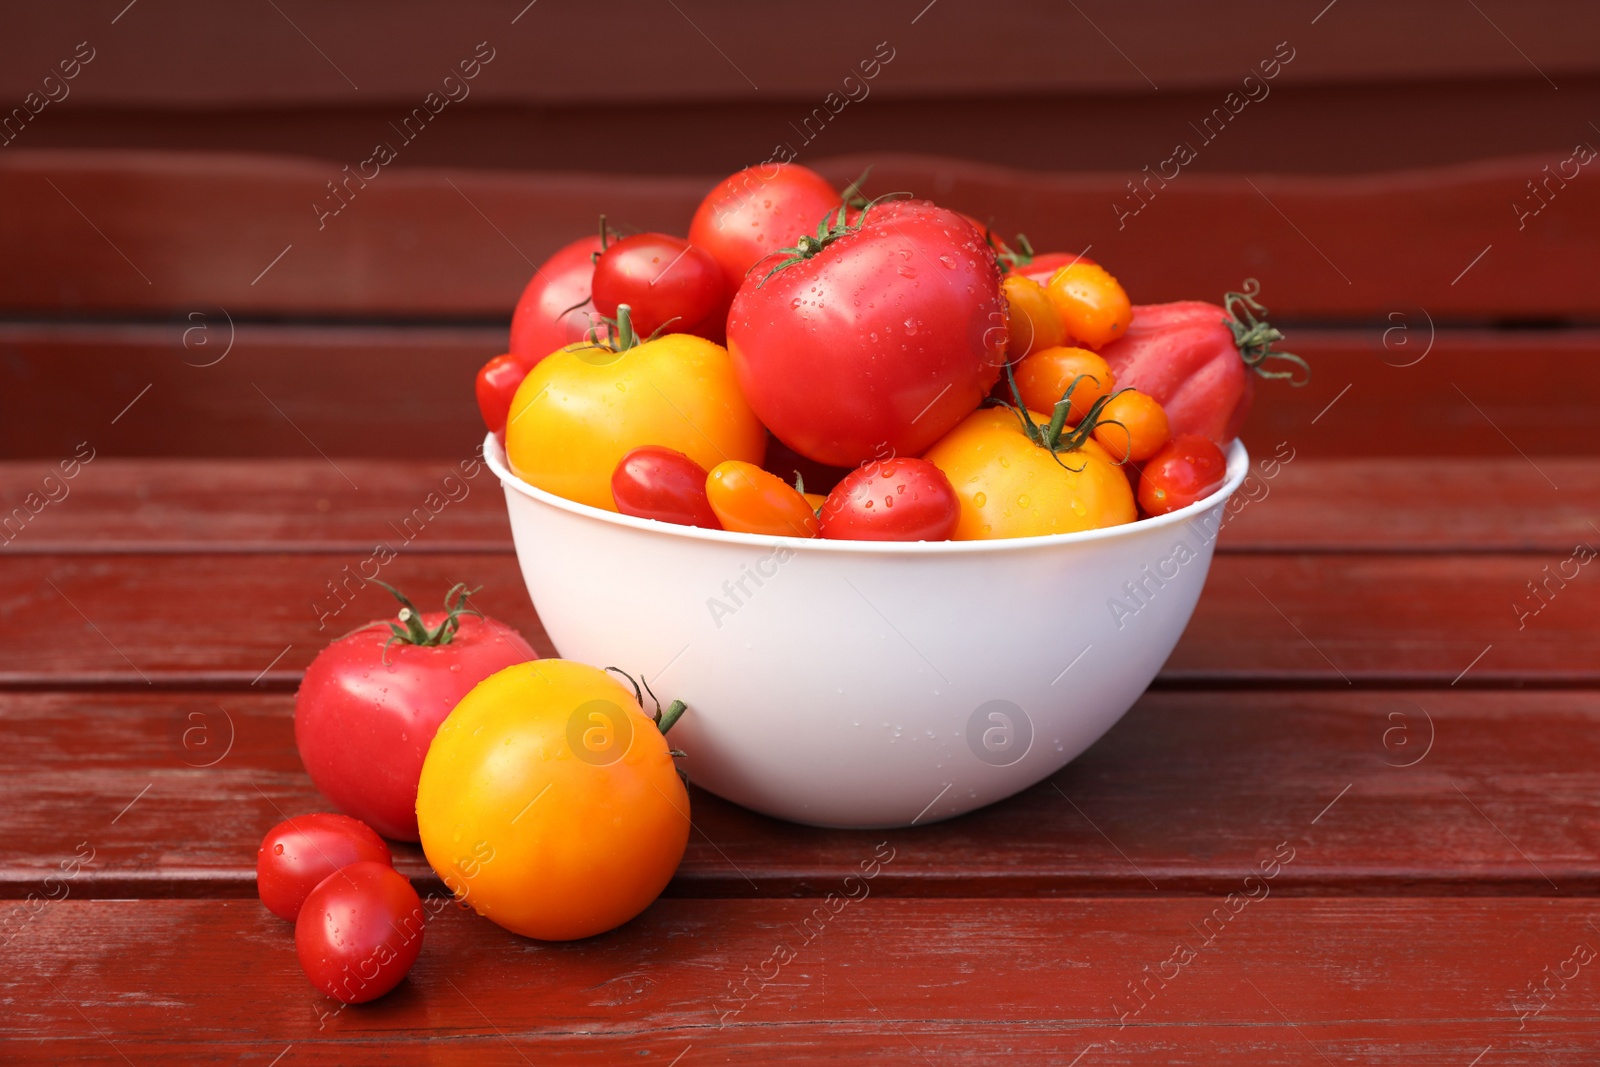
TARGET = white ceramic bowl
(869,684)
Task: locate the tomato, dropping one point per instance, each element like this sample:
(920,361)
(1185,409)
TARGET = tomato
(667,282)
(1093,308)
(1044,376)
(751,214)
(497,384)
(299,853)
(896,499)
(1042,267)
(549,314)
(1010,486)
(663,484)
(371,701)
(550,802)
(874,338)
(1189,468)
(1132,426)
(1032,322)
(748,499)
(359,932)
(584,408)
(1195,359)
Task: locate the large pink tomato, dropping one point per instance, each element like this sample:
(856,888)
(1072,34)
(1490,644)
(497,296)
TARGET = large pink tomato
(371,702)
(874,338)
(543,322)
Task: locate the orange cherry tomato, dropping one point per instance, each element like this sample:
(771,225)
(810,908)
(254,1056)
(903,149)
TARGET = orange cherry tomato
(1045,375)
(748,499)
(1033,320)
(1093,308)
(1142,430)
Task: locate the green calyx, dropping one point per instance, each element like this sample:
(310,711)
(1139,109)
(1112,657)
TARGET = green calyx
(834,225)
(664,719)
(1255,337)
(619,334)
(1054,437)
(410,629)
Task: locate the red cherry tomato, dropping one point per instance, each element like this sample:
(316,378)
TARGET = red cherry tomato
(299,853)
(542,322)
(664,484)
(497,384)
(885,338)
(667,282)
(359,932)
(751,214)
(370,703)
(1187,469)
(893,500)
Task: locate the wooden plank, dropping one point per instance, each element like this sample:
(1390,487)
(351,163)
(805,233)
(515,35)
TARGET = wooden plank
(1388,793)
(292,390)
(184,506)
(231,621)
(396,53)
(194,231)
(1302,982)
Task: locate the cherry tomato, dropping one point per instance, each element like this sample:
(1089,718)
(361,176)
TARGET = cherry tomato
(667,282)
(547,315)
(1094,310)
(497,384)
(1033,324)
(1142,430)
(1011,487)
(583,409)
(1045,375)
(299,853)
(550,803)
(878,339)
(663,484)
(371,701)
(359,932)
(751,214)
(1043,266)
(892,500)
(1189,468)
(748,499)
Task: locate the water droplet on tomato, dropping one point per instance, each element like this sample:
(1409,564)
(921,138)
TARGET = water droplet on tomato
(911,327)
(905,271)
(979,500)
(277,850)
(1022,501)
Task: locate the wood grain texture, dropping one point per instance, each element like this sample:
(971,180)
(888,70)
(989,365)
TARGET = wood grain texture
(406,392)
(196,231)
(1310,619)
(1431,982)
(1388,792)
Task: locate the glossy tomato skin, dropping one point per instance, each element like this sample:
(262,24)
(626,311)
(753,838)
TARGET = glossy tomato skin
(1043,266)
(1187,469)
(663,484)
(1183,354)
(550,803)
(359,932)
(893,500)
(879,343)
(751,214)
(666,282)
(497,384)
(578,413)
(748,499)
(541,323)
(363,725)
(299,853)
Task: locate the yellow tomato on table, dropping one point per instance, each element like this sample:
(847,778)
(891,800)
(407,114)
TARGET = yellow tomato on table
(549,802)
(1011,487)
(584,407)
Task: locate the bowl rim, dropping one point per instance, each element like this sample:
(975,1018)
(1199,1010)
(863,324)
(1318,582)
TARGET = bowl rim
(1238,460)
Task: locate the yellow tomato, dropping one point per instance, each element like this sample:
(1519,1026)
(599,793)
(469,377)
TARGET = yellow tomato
(1010,487)
(747,499)
(1132,426)
(1092,305)
(1045,375)
(549,802)
(1032,321)
(582,408)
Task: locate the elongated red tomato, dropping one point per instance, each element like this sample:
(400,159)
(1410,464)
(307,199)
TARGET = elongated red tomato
(876,338)
(753,213)
(663,484)
(1187,469)
(893,500)
(543,322)
(497,384)
(298,853)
